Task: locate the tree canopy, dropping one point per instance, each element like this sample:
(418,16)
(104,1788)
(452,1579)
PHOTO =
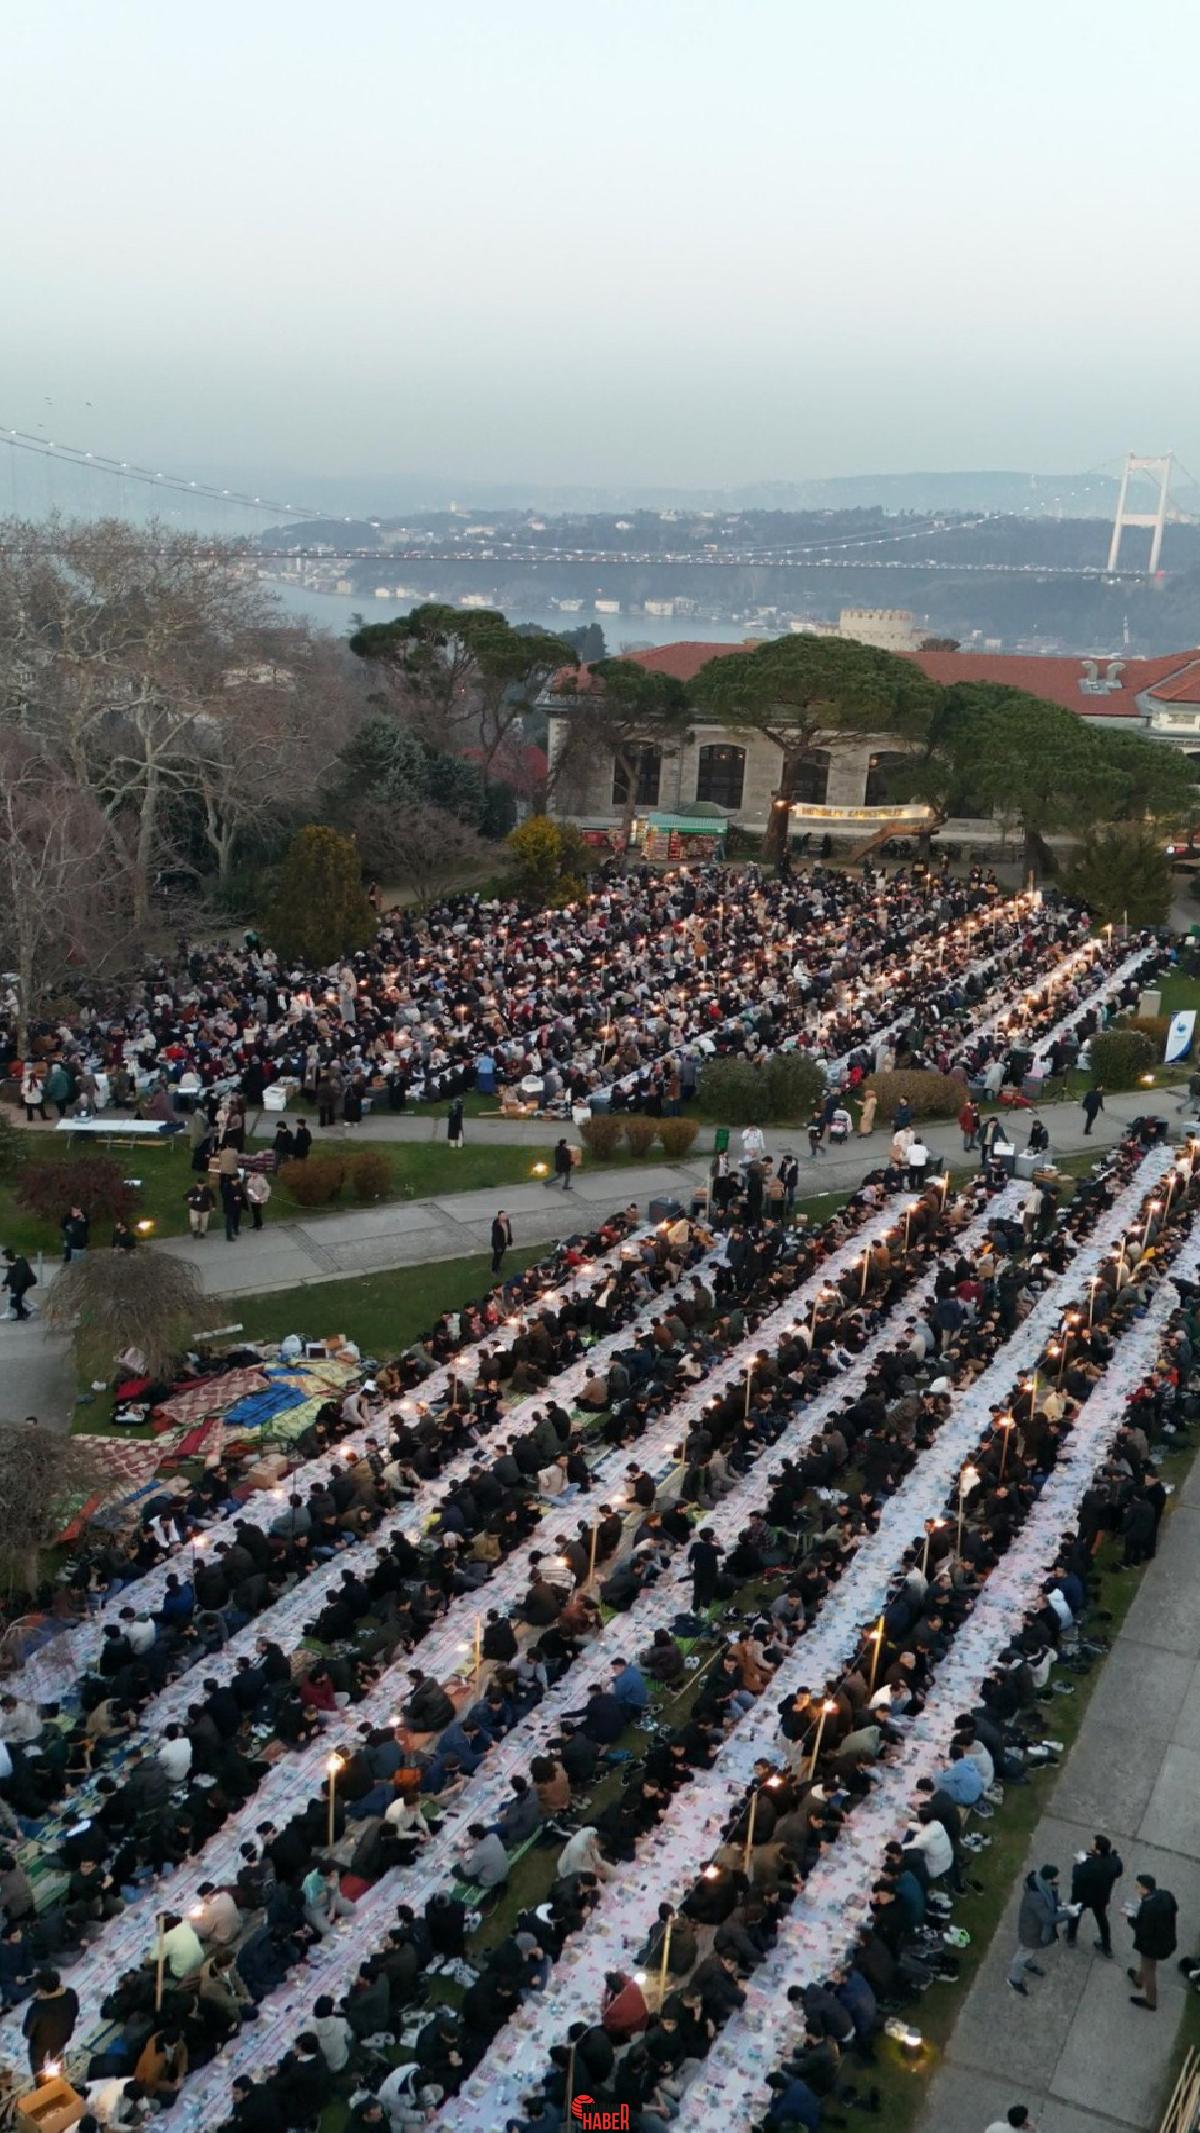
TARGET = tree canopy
(320,909)
(994,749)
(806,692)
(1121,872)
(462,679)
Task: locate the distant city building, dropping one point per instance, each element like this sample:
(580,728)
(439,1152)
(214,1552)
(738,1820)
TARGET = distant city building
(607,607)
(889,629)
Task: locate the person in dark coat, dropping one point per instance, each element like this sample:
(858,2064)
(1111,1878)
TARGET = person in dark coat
(1093,1879)
(502,1237)
(704,1562)
(50,2019)
(454,1123)
(1154,1937)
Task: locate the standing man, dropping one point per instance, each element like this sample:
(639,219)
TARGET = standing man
(968,1123)
(19,1278)
(1093,1102)
(563,1165)
(200,1204)
(231,1204)
(1093,1878)
(1154,1934)
(76,1229)
(502,1238)
(257,1191)
(1038,1922)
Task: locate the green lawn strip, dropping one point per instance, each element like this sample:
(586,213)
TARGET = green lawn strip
(383,1313)
(419,1170)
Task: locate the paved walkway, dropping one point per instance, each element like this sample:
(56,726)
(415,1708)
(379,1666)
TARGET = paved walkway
(35,1376)
(1075,2051)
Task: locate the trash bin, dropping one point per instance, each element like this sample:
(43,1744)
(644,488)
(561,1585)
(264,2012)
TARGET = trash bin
(721,1141)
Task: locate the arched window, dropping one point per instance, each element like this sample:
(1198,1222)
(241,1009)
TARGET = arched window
(810,780)
(721,775)
(647,768)
(881,773)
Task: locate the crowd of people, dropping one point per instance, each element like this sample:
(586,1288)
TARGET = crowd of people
(619,999)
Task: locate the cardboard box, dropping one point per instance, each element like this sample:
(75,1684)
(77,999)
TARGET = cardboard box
(51,2107)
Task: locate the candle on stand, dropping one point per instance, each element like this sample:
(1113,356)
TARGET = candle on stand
(1093,1285)
(749,1386)
(332,1766)
(944,1182)
(1151,1211)
(1005,1426)
(161,1961)
(826,1708)
(877,1643)
(592,1556)
(749,1845)
(866,1266)
(967,1480)
(666,1959)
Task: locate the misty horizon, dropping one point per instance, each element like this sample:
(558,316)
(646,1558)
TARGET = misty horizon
(650,249)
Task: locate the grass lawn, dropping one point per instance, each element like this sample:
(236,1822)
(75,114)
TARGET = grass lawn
(382,1312)
(419,1171)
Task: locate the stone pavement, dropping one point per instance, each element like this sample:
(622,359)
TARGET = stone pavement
(418,1232)
(401,1233)
(1075,2051)
(36,1373)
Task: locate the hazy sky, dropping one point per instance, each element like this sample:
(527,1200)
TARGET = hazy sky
(638,241)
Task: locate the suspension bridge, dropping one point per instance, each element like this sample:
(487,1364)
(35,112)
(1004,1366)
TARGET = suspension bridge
(48,480)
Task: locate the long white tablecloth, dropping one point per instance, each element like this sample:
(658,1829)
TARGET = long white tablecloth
(70,1655)
(730,2092)
(669,1855)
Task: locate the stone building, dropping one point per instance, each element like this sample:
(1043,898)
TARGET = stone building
(736,772)
(739,772)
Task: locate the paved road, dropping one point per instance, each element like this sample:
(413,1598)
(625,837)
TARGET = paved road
(1075,2051)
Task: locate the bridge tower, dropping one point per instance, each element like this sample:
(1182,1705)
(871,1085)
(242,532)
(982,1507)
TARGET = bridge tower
(1160,470)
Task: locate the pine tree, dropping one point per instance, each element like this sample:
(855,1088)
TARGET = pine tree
(320,910)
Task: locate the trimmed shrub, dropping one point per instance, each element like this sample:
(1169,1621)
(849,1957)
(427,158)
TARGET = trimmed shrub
(601,1135)
(88,1181)
(677,1135)
(1120,1057)
(316,1182)
(640,1136)
(370,1175)
(796,1085)
(742,1092)
(928,1095)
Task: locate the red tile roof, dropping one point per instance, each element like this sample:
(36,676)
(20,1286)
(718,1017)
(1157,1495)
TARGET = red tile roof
(1173,678)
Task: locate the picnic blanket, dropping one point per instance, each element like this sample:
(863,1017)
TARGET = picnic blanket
(214,1396)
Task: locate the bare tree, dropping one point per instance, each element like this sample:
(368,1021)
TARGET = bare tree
(264,746)
(113,641)
(62,904)
(41,1475)
(115,1302)
(422,848)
